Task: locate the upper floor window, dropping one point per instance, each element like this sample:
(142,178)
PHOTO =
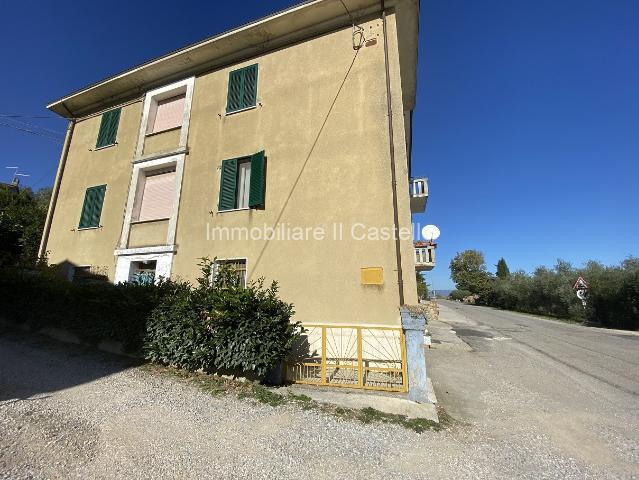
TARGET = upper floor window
(166,114)
(92,207)
(108,128)
(242,182)
(155,196)
(242,92)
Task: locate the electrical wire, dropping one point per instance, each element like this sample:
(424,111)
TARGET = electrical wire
(33,132)
(347,11)
(38,127)
(11,115)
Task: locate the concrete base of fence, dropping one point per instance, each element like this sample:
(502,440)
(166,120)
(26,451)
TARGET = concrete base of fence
(414,326)
(357,399)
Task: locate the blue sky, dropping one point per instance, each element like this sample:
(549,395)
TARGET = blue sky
(527,118)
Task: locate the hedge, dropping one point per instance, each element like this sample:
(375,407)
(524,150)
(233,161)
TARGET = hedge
(220,325)
(216,324)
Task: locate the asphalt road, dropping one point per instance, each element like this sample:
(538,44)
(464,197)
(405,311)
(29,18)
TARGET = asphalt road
(541,384)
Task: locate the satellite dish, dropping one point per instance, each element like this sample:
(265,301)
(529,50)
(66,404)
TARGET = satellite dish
(430,232)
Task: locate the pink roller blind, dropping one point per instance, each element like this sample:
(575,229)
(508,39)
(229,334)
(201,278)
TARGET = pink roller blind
(169,113)
(157,197)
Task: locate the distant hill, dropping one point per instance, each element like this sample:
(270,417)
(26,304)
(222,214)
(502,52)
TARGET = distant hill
(442,293)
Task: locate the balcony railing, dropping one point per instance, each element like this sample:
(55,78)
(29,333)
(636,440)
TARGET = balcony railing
(424,258)
(418,194)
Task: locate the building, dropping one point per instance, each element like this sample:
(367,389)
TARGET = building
(281,147)
(13,187)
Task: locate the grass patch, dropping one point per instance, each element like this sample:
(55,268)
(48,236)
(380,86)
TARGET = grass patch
(419,425)
(216,386)
(264,395)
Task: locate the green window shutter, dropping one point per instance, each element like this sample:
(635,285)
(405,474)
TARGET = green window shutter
(242,89)
(97,205)
(87,207)
(228,181)
(234,100)
(249,91)
(108,128)
(258,180)
(92,207)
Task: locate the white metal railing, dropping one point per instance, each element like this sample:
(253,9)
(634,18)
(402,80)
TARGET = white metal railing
(419,187)
(425,255)
(418,194)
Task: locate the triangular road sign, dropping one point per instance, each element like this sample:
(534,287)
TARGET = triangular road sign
(580,284)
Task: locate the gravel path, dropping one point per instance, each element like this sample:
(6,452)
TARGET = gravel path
(67,412)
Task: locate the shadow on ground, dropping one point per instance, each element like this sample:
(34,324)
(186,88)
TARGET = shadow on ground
(32,366)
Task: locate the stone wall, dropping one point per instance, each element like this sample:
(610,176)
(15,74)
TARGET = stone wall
(432,310)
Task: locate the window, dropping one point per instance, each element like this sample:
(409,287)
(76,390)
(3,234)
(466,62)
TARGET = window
(242,182)
(166,114)
(143,272)
(108,128)
(92,207)
(156,196)
(88,274)
(167,108)
(237,267)
(242,92)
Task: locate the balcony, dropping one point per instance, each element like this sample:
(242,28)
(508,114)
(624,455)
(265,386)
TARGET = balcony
(418,194)
(424,256)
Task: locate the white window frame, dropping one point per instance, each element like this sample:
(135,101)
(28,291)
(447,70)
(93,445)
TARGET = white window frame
(137,186)
(150,102)
(162,256)
(132,262)
(139,193)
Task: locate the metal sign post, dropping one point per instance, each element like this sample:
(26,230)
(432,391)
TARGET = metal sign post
(581,288)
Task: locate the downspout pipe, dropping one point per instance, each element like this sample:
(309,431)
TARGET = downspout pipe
(389,104)
(56,189)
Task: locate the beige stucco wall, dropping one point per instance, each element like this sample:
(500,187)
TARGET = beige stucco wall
(87,167)
(162,141)
(322,169)
(147,234)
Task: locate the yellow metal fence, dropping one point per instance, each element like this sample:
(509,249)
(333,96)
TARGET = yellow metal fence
(372,358)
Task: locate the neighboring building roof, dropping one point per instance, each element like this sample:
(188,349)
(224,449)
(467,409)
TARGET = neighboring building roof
(13,187)
(422,244)
(294,24)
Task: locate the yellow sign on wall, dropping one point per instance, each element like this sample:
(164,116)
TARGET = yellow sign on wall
(372,276)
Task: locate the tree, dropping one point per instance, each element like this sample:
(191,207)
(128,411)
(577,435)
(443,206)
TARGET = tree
(459,295)
(422,286)
(502,269)
(22,217)
(468,271)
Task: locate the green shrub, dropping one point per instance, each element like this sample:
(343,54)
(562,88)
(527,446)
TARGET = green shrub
(93,311)
(459,294)
(613,293)
(221,325)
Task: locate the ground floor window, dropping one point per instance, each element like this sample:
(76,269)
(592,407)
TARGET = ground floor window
(238,266)
(143,272)
(142,265)
(88,273)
